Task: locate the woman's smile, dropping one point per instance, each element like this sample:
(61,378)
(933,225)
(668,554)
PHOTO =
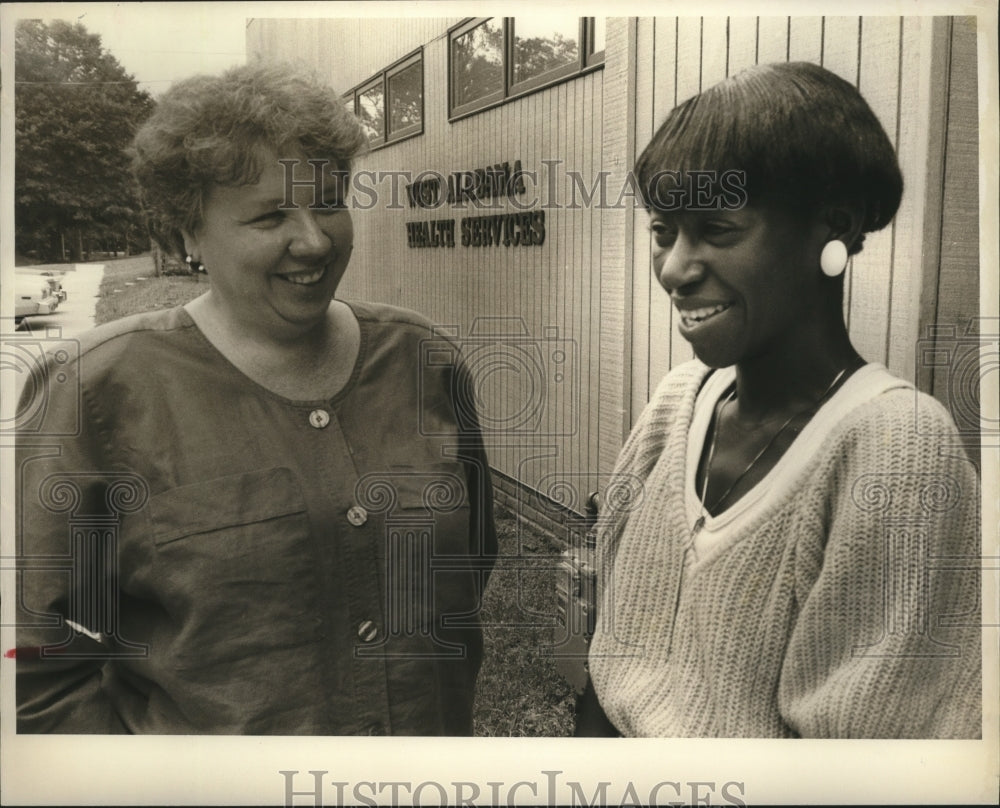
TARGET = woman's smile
(739,279)
(275,263)
(695,315)
(307,277)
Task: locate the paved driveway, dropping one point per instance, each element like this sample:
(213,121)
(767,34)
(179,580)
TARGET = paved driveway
(22,350)
(75,314)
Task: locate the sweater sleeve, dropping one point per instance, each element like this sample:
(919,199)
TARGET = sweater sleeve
(887,642)
(66,575)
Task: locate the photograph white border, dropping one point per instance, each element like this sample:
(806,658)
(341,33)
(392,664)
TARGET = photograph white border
(191,770)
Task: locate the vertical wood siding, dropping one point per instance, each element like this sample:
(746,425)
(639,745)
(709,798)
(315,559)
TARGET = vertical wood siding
(550,294)
(588,290)
(952,271)
(345,51)
(890,60)
(615,275)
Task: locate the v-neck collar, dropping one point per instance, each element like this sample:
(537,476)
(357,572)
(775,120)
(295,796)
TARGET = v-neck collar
(866,383)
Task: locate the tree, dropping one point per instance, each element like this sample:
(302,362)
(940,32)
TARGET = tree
(477,62)
(76,110)
(537,55)
(478,59)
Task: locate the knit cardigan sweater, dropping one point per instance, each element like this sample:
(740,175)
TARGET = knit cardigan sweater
(846,607)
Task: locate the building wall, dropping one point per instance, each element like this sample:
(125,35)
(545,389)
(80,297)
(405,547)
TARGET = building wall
(517,310)
(948,353)
(587,293)
(343,50)
(890,59)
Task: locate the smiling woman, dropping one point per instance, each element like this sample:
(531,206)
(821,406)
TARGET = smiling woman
(278,473)
(275,267)
(775,577)
(735,279)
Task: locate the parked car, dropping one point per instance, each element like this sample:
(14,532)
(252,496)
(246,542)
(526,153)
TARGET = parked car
(26,298)
(36,292)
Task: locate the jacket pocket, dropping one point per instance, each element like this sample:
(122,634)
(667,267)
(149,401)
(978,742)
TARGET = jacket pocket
(237,570)
(231,501)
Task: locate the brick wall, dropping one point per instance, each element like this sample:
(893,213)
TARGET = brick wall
(540,512)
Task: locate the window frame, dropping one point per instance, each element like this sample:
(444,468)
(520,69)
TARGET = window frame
(494,98)
(586,62)
(592,57)
(387,137)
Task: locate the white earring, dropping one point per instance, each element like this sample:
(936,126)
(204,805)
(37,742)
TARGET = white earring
(833,259)
(196,266)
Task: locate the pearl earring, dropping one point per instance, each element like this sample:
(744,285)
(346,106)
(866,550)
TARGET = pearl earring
(833,259)
(196,266)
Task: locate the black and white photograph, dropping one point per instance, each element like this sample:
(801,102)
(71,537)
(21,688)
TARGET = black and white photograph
(407,405)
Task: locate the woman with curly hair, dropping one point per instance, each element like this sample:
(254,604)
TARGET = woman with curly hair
(297,508)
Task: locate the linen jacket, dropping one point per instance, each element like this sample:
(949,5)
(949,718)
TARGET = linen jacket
(199,554)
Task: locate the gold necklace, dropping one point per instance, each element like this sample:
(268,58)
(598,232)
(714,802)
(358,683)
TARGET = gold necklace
(700,521)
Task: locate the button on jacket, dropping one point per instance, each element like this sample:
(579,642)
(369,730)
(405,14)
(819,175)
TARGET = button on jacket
(199,554)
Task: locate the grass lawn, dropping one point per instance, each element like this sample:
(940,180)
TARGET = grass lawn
(122,293)
(519,692)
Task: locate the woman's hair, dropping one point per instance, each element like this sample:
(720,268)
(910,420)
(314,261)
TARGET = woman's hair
(803,136)
(216,129)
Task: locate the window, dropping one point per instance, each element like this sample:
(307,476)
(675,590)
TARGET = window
(406,98)
(371,111)
(496,59)
(477,64)
(543,49)
(390,105)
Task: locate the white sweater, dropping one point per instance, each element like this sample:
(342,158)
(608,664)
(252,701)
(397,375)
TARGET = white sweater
(842,603)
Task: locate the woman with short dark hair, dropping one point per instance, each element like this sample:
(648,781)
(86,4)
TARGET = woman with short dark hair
(295,507)
(777,572)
